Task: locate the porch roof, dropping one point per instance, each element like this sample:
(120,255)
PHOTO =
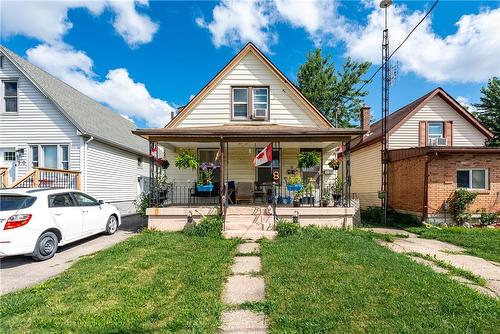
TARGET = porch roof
(249,133)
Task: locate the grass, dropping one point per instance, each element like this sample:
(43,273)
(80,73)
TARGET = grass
(482,242)
(453,271)
(152,283)
(327,281)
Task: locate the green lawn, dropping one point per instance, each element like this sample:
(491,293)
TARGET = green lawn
(343,282)
(152,283)
(482,242)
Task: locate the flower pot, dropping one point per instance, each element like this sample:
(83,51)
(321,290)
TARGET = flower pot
(205,188)
(294,187)
(296,204)
(335,167)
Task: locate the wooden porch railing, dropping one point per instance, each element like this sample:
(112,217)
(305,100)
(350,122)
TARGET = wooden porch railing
(4,173)
(48,178)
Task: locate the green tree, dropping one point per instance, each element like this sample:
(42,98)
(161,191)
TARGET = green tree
(333,92)
(489,109)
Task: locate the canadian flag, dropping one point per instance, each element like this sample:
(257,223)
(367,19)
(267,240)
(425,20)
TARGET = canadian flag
(264,156)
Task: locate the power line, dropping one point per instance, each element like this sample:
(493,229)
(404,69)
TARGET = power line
(399,46)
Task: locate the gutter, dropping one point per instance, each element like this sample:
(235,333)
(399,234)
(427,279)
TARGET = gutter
(425,211)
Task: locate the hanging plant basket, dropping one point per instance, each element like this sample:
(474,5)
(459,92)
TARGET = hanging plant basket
(294,187)
(205,188)
(334,164)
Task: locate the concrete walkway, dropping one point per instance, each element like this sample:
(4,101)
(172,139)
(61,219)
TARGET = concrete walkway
(449,253)
(244,286)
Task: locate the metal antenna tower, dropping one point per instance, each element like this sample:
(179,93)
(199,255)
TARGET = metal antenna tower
(386,82)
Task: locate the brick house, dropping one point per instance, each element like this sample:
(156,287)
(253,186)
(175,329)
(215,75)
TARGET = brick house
(435,147)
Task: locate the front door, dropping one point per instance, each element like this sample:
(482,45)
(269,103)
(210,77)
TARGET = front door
(67,215)
(8,159)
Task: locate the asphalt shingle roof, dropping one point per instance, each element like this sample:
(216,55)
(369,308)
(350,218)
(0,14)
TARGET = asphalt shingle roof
(91,117)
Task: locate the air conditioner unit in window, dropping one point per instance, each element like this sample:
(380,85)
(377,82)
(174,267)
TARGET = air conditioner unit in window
(260,114)
(438,142)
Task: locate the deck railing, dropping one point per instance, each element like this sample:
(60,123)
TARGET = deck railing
(48,178)
(4,174)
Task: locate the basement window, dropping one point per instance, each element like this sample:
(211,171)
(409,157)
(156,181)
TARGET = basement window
(474,179)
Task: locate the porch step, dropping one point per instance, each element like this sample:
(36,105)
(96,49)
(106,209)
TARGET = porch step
(250,235)
(244,210)
(230,226)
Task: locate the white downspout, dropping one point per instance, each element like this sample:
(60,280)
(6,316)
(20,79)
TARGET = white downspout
(85,164)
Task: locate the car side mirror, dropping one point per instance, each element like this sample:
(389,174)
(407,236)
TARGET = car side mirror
(100,202)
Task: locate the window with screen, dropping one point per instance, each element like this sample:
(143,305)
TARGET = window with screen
(240,103)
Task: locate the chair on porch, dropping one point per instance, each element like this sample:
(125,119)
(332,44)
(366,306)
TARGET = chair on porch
(244,192)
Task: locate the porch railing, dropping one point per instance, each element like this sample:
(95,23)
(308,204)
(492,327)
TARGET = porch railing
(4,174)
(48,178)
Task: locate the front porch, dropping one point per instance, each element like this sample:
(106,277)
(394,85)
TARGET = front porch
(248,194)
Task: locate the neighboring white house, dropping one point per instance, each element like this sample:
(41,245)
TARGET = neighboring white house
(45,123)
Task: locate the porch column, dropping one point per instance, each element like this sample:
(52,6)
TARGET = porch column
(348,172)
(221,183)
(151,172)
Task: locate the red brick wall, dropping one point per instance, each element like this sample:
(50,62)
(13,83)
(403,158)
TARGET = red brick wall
(406,184)
(443,180)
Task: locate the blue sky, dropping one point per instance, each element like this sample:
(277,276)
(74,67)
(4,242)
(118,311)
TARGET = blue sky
(145,59)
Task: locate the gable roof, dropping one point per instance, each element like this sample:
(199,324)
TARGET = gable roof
(249,47)
(396,119)
(87,115)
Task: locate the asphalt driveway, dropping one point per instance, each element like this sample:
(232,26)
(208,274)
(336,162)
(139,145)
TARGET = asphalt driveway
(21,271)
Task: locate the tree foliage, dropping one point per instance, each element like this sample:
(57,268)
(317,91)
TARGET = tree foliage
(489,109)
(333,92)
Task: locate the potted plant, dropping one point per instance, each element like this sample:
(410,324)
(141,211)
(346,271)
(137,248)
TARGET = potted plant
(337,190)
(186,159)
(309,192)
(297,198)
(334,164)
(294,183)
(308,159)
(325,196)
(205,177)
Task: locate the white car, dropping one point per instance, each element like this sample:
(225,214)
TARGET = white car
(36,221)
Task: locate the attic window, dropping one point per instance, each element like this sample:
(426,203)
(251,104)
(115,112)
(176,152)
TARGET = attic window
(250,103)
(10,96)
(1,61)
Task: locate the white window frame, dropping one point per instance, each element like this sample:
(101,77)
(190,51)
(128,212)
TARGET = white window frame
(486,178)
(254,102)
(41,161)
(4,97)
(233,103)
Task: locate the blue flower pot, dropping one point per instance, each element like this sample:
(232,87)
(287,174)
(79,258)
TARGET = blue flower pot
(205,188)
(294,187)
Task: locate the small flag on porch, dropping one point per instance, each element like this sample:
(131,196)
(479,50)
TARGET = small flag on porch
(264,156)
(218,155)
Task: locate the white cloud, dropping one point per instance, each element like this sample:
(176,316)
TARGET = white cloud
(238,21)
(48,21)
(469,55)
(465,102)
(120,92)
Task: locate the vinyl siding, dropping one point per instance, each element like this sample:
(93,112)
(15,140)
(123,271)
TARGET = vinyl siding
(365,174)
(38,121)
(464,133)
(215,108)
(111,173)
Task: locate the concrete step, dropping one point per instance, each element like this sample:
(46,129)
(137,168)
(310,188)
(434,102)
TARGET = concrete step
(245,210)
(250,235)
(231,226)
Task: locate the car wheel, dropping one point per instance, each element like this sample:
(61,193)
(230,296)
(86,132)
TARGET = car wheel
(46,246)
(112,225)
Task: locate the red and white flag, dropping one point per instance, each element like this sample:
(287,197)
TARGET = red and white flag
(264,156)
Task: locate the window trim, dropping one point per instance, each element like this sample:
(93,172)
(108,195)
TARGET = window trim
(250,103)
(4,97)
(486,178)
(41,157)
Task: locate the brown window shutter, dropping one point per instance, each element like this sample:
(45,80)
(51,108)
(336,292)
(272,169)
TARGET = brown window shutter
(422,133)
(448,132)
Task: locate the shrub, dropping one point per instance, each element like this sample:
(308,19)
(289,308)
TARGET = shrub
(375,216)
(286,227)
(208,226)
(488,218)
(142,203)
(460,205)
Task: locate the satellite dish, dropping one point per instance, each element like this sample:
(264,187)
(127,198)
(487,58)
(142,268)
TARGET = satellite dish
(385,3)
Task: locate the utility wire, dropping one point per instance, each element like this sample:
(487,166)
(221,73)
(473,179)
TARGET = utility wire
(399,46)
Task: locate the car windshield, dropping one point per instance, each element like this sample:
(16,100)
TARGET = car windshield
(15,202)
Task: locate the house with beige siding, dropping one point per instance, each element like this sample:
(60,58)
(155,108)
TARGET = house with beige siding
(247,106)
(52,135)
(435,146)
